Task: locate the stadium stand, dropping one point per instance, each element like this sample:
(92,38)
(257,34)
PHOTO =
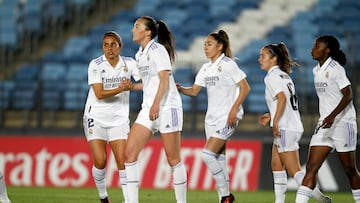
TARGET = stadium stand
(251,24)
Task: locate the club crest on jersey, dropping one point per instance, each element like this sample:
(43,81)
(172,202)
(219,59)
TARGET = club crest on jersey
(126,69)
(219,68)
(148,57)
(327,74)
(90,131)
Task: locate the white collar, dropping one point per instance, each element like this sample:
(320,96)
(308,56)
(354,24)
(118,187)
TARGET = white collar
(147,47)
(217,61)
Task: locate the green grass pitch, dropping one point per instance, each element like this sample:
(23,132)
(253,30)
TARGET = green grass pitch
(89,195)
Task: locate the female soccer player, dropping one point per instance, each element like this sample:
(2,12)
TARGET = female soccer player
(161,108)
(284,118)
(337,129)
(227,89)
(106,114)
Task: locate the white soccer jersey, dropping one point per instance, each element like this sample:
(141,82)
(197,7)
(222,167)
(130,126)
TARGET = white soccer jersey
(114,110)
(153,59)
(277,81)
(220,79)
(329,79)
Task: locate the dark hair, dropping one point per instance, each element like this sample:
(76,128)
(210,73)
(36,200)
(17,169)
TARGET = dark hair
(282,55)
(164,35)
(333,44)
(222,38)
(115,35)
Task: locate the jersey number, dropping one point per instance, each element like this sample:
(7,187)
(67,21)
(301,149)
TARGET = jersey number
(293,97)
(90,122)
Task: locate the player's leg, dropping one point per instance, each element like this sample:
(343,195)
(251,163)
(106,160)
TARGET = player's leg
(172,146)
(292,164)
(317,155)
(345,139)
(209,157)
(117,140)
(139,135)
(217,136)
(118,149)
(348,161)
(97,138)
(221,158)
(279,175)
(98,151)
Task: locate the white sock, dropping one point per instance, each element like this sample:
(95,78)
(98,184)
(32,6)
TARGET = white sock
(122,176)
(303,194)
(179,179)
(221,158)
(3,193)
(99,176)
(280,185)
(132,182)
(356,195)
(316,193)
(217,172)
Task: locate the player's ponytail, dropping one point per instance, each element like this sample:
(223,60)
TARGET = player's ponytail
(164,35)
(335,52)
(281,52)
(223,38)
(166,38)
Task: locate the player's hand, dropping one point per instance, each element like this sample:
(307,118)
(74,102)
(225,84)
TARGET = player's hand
(178,87)
(126,85)
(231,121)
(328,121)
(276,130)
(264,119)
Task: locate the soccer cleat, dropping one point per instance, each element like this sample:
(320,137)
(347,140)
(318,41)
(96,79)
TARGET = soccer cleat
(105,200)
(327,199)
(228,199)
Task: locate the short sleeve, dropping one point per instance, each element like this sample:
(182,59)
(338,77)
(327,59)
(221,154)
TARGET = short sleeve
(94,73)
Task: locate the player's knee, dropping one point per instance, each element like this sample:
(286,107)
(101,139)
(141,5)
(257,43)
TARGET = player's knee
(208,156)
(351,172)
(312,168)
(173,159)
(100,164)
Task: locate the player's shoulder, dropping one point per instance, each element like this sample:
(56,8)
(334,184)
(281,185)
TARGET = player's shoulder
(157,48)
(335,66)
(128,59)
(227,59)
(155,45)
(229,62)
(97,61)
(273,75)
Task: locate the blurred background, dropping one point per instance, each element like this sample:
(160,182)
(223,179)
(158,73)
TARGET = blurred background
(46,46)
